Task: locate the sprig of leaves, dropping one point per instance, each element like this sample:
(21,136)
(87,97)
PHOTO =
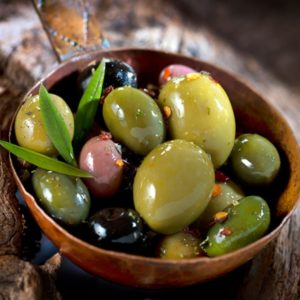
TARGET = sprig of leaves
(43,161)
(88,104)
(56,127)
(57,130)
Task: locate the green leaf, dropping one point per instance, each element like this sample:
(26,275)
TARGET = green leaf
(43,161)
(88,104)
(56,127)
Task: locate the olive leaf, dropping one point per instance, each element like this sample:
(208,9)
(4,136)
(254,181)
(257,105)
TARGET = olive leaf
(88,103)
(43,161)
(56,127)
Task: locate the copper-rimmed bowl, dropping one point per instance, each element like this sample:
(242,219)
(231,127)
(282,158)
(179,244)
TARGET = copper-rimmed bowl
(253,114)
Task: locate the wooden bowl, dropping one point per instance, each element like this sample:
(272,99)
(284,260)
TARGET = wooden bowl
(253,114)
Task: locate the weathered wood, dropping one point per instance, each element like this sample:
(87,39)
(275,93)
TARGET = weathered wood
(213,32)
(275,273)
(18,279)
(21,280)
(10,217)
(264,30)
(71,26)
(25,51)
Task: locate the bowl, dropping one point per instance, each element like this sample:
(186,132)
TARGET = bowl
(253,114)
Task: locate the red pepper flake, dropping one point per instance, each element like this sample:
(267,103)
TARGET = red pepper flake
(211,224)
(220,217)
(104,136)
(220,176)
(167,111)
(167,74)
(217,189)
(226,231)
(120,163)
(105,93)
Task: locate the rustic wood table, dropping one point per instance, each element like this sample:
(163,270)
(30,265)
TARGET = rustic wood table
(256,40)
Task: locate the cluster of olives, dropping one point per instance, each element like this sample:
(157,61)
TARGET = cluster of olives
(168,170)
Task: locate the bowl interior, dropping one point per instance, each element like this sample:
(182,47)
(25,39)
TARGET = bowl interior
(253,114)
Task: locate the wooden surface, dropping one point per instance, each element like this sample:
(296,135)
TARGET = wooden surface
(256,41)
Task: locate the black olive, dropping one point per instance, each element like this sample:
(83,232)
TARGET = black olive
(117,74)
(116,228)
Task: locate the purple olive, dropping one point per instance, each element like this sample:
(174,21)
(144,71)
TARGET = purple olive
(100,157)
(172,71)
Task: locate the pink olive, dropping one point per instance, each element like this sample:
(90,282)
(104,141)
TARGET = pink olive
(100,157)
(172,71)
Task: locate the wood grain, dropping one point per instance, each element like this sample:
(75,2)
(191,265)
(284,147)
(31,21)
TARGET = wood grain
(71,26)
(274,274)
(21,280)
(10,217)
(18,279)
(26,55)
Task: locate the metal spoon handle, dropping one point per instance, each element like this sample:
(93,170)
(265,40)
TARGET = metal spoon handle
(71,25)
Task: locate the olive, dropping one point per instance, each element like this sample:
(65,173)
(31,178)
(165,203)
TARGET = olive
(180,245)
(64,197)
(228,193)
(29,128)
(246,223)
(100,157)
(131,163)
(254,160)
(116,227)
(175,70)
(172,186)
(117,74)
(134,119)
(200,111)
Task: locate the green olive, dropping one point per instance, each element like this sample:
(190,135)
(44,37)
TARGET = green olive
(64,197)
(173,185)
(254,160)
(30,130)
(180,245)
(200,112)
(230,194)
(134,119)
(246,223)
